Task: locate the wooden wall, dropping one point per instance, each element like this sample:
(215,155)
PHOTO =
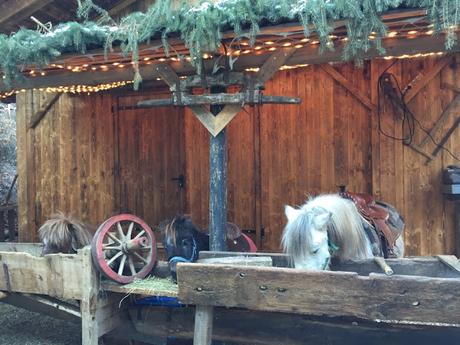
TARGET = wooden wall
(64,160)
(277,154)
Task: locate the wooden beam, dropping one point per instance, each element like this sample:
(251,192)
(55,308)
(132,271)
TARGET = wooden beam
(45,305)
(306,55)
(215,124)
(238,326)
(446,85)
(18,10)
(40,113)
(273,64)
(219,98)
(169,76)
(120,6)
(240,260)
(203,325)
(453,108)
(401,299)
(423,78)
(451,261)
(364,99)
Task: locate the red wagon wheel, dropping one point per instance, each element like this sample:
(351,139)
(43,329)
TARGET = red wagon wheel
(124,248)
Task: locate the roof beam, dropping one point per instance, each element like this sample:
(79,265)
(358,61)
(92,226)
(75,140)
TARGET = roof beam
(307,55)
(18,10)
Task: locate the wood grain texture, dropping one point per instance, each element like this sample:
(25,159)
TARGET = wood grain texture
(410,299)
(56,275)
(277,154)
(249,327)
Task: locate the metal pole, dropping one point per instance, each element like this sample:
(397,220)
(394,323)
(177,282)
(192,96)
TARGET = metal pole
(218,183)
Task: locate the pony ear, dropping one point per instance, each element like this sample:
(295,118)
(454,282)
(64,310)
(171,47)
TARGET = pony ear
(291,212)
(322,219)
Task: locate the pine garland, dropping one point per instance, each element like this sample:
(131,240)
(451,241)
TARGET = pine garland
(201,27)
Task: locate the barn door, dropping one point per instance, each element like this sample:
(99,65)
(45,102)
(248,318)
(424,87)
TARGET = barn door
(150,150)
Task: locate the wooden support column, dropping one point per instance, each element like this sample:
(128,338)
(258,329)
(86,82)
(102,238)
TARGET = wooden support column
(217,183)
(204,315)
(88,303)
(457,228)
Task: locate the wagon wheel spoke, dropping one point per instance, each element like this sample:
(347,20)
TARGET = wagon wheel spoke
(110,247)
(139,234)
(122,265)
(130,231)
(116,256)
(140,258)
(113,237)
(120,231)
(131,266)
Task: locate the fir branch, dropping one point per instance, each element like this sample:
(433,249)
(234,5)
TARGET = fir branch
(201,27)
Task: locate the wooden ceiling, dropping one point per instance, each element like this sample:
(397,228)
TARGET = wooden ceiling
(16,13)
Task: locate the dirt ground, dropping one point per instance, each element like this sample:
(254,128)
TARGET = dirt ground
(22,327)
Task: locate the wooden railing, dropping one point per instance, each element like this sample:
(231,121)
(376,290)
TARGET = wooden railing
(8,223)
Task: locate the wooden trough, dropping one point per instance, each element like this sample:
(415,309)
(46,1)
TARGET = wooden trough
(42,283)
(243,304)
(423,293)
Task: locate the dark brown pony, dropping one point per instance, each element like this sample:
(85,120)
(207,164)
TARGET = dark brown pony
(183,240)
(64,234)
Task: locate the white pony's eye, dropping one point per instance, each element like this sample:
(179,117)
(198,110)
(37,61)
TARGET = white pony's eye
(315,251)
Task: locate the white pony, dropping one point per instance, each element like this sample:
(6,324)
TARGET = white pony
(328,225)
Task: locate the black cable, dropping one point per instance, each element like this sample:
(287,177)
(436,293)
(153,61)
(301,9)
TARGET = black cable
(409,119)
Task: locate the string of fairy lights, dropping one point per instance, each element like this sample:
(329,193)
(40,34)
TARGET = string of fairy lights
(234,48)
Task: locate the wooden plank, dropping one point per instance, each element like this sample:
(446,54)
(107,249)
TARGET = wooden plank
(45,305)
(203,325)
(183,99)
(18,10)
(265,261)
(34,249)
(89,283)
(218,172)
(40,113)
(215,124)
(306,55)
(452,109)
(278,259)
(26,168)
(273,63)
(364,99)
(168,75)
(451,261)
(425,77)
(237,326)
(417,266)
(56,275)
(257,178)
(401,299)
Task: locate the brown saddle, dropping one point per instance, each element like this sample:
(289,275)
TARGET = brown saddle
(378,216)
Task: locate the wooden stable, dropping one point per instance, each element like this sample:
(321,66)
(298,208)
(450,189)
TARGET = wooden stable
(95,156)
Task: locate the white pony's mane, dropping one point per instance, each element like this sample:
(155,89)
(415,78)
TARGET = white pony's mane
(345,228)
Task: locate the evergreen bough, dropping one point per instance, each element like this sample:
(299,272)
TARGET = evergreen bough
(201,27)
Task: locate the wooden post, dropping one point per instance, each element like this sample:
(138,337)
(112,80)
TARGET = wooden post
(217,183)
(457,228)
(88,304)
(203,325)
